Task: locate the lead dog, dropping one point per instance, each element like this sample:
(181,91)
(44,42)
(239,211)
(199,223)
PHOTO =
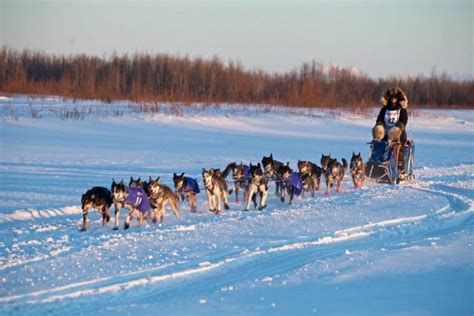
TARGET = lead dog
(357,170)
(160,195)
(99,198)
(333,172)
(217,191)
(258,184)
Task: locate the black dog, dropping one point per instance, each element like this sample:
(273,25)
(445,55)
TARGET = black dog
(99,198)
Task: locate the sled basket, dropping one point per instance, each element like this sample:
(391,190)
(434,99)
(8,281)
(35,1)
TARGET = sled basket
(382,165)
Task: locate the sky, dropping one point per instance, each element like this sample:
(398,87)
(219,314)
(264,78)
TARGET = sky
(379,38)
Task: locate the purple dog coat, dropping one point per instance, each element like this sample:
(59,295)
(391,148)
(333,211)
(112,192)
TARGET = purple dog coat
(138,198)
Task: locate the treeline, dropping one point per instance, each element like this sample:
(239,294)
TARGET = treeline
(146,77)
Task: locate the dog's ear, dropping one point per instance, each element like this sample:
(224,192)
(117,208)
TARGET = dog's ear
(203,170)
(182,174)
(122,183)
(174,175)
(157,180)
(251,165)
(359,154)
(271,155)
(139,180)
(150,179)
(259,165)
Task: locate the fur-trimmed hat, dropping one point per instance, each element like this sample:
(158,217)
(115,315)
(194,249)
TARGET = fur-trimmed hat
(401,96)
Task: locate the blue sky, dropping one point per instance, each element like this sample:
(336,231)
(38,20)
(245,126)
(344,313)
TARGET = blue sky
(380,38)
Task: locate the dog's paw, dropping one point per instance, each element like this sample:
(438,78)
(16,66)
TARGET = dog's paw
(226,206)
(115,228)
(154,220)
(339,190)
(245,210)
(126,226)
(262,207)
(326,193)
(282,199)
(83,229)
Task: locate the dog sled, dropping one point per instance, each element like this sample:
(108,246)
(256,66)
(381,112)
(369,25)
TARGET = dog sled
(382,165)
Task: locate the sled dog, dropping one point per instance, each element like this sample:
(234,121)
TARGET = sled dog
(273,171)
(134,199)
(357,170)
(160,195)
(187,188)
(294,185)
(258,184)
(333,172)
(217,192)
(241,177)
(99,198)
(310,176)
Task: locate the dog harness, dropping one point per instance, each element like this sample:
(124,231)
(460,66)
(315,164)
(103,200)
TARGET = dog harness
(138,198)
(245,177)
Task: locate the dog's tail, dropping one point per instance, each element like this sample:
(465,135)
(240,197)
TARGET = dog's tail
(227,170)
(344,164)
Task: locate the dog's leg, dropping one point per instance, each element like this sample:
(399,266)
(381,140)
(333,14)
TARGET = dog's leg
(118,207)
(210,198)
(327,186)
(128,218)
(263,201)
(219,197)
(175,206)
(237,189)
(252,191)
(84,219)
(107,214)
(140,218)
(291,193)
(226,200)
(282,194)
(192,202)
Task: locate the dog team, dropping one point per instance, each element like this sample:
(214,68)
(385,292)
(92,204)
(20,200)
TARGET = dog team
(148,199)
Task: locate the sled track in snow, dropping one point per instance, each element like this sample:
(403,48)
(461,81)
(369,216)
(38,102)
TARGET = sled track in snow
(192,277)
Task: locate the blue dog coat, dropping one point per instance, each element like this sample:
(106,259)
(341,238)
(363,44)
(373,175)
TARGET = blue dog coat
(295,181)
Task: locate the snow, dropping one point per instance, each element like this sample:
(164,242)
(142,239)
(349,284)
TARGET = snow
(377,250)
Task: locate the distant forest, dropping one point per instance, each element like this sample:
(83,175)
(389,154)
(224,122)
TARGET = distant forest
(158,78)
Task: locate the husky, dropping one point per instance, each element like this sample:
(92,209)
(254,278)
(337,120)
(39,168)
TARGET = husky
(258,184)
(187,188)
(99,198)
(241,177)
(139,184)
(310,176)
(160,195)
(357,170)
(217,192)
(294,185)
(273,171)
(134,199)
(333,172)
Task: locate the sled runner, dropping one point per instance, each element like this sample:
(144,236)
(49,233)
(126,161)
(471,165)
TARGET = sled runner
(382,165)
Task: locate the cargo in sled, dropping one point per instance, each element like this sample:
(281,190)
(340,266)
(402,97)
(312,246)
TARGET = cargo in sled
(382,165)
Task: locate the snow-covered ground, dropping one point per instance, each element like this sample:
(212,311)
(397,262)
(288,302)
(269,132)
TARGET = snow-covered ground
(379,250)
